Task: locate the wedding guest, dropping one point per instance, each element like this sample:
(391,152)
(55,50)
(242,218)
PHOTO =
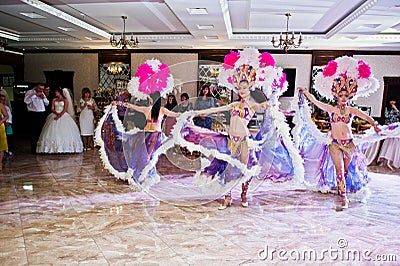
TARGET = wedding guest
(8,126)
(185,104)
(390,151)
(87,106)
(47,93)
(36,102)
(3,137)
(392,114)
(204,101)
(170,121)
(126,98)
(7,98)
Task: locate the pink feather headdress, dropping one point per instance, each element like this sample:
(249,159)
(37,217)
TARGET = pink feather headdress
(257,68)
(150,77)
(346,74)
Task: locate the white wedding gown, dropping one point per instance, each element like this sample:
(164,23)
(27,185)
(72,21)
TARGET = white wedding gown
(61,135)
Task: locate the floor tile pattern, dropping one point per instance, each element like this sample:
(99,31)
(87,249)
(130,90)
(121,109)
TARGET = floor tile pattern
(67,210)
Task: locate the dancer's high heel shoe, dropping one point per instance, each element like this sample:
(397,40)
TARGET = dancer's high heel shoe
(345,203)
(227,202)
(342,203)
(389,166)
(245,187)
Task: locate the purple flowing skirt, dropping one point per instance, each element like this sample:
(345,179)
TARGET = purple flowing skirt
(113,146)
(274,159)
(130,153)
(320,172)
(269,160)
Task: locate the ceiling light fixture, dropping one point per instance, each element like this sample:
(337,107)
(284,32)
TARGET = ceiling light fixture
(287,43)
(66,28)
(197,11)
(211,37)
(205,27)
(123,42)
(64,16)
(32,15)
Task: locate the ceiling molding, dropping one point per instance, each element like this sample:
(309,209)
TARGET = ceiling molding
(351,17)
(360,24)
(394,37)
(243,36)
(165,37)
(227,17)
(160,16)
(9,35)
(49,38)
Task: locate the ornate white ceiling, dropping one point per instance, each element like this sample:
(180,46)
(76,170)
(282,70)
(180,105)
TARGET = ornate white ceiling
(168,24)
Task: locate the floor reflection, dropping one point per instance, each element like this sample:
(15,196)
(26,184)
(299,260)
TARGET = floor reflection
(66,210)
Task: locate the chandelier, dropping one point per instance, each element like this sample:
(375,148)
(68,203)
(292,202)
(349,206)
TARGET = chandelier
(287,43)
(114,69)
(123,42)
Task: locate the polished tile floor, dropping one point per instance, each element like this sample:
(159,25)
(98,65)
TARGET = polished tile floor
(66,210)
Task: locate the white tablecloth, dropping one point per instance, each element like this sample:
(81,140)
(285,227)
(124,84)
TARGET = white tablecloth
(372,152)
(391,151)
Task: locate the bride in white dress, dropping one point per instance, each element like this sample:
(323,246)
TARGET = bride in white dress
(60,134)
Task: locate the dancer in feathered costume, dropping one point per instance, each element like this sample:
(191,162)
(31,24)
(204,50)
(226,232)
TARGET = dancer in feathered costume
(238,156)
(335,162)
(133,155)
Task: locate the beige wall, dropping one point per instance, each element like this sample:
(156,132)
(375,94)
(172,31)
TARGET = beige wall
(302,63)
(381,66)
(84,65)
(183,66)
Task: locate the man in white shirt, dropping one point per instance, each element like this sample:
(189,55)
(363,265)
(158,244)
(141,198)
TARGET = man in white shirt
(36,102)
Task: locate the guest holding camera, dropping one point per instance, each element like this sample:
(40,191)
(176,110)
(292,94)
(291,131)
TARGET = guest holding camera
(390,152)
(36,102)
